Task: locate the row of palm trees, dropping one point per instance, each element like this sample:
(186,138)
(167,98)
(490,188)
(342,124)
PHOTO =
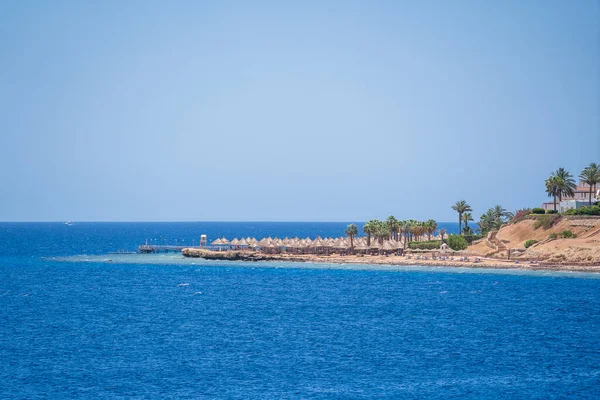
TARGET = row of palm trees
(491,220)
(561,182)
(394,229)
(464,214)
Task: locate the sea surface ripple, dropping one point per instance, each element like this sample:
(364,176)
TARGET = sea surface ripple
(72,326)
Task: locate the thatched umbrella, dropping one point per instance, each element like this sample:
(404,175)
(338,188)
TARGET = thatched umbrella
(375,245)
(217,242)
(224,241)
(340,244)
(328,242)
(268,246)
(243,242)
(234,242)
(389,246)
(361,247)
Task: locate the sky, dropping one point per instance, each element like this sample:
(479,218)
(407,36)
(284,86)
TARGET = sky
(291,111)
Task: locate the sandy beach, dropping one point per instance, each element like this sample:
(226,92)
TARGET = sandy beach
(251,256)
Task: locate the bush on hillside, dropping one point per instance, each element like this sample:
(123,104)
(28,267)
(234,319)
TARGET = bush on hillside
(588,210)
(553,236)
(546,221)
(431,245)
(471,238)
(552,212)
(566,234)
(529,243)
(457,242)
(520,215)
(538,210)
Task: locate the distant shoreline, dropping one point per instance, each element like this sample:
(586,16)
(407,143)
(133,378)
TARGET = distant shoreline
(254,256)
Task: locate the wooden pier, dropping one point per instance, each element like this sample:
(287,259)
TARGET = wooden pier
(159,248)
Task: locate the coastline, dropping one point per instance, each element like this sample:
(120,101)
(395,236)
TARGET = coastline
(255,256)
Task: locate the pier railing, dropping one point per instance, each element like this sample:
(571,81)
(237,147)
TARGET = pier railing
(165,248)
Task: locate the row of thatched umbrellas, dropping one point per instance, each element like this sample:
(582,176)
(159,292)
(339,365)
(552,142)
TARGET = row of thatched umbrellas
(341,243)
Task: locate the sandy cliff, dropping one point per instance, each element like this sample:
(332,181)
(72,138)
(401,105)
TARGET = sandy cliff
(585,249)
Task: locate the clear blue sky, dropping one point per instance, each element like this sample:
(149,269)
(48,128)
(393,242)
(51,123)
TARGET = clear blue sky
(292,111)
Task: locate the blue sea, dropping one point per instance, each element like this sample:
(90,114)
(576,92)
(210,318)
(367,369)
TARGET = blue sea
(78,322)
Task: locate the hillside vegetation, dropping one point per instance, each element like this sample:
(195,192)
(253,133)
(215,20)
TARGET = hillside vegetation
(577,240)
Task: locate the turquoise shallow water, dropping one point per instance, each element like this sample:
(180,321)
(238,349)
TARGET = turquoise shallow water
(73,325)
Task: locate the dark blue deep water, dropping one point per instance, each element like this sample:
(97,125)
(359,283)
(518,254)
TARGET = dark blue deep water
(162,327)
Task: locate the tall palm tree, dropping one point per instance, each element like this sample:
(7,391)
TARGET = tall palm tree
(405,228)
(419,230)
(351,231)
(568,186)
(392,223)
(500,213)
(431,226)
(369,229)
(591,176)
(461,207)
(383,231)
(466,218)
(553,188)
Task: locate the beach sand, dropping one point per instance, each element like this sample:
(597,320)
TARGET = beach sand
(387,260)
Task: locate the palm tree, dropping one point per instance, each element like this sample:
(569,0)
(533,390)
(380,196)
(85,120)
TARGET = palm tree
(553,188)
(466,218)
(486,222)
(405,228)
(419,230)
(493,219)
(369,229)
(442,234)
(568,186)
(392,223)
(351,231)
(431,226)
(500,213)
(461,207)
(591,176)
(382,231)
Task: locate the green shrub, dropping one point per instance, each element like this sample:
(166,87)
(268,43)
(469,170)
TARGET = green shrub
(431,245)
(553,236)
(538,211)
(529,243)
(546,221)
(566,234)
(588,210)
(520,215)
(471,238)
(457,242)
(574,236)
(552,212)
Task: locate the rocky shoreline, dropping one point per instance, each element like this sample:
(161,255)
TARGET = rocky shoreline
(255,256)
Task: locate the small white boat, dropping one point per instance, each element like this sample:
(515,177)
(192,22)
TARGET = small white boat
(69,223)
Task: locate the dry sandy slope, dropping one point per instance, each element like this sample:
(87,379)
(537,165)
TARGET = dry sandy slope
(584,249)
